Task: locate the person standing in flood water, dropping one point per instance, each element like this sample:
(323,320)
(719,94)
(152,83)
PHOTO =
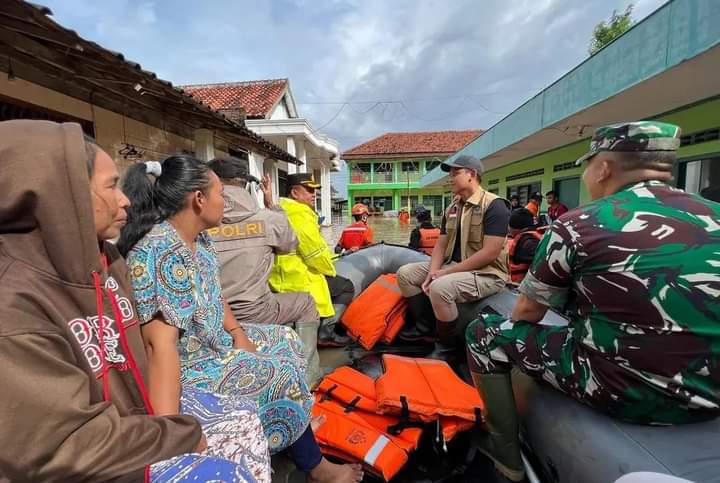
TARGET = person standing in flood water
(358,234)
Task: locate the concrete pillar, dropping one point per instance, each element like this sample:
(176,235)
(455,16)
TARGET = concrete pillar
(396,200)
(325,193)
(302,156)
(204,144)
(255,162)
(291,148)
(257,169)
(270,168)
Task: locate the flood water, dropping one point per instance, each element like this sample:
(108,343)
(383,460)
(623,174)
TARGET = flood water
(389,230)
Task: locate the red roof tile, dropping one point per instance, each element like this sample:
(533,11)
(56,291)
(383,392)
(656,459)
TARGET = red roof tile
(399,143)
(255,97)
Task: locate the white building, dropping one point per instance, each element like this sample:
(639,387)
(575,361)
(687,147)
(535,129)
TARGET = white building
(268,108)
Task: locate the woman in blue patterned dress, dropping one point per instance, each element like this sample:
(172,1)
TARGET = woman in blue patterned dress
(191,335)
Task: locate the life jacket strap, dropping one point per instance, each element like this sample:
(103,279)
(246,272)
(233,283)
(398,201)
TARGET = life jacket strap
(351,406)
(404,422)
(327,395)
(405,408)
(402,425)
(478,417)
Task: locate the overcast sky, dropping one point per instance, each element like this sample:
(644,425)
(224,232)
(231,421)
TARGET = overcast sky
(359,68)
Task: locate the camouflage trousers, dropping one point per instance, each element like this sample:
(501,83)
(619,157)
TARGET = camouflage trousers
(553,354)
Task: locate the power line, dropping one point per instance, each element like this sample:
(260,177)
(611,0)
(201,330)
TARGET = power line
(332,118)
(427,99)
(388,115)
(364,111)
(401,106)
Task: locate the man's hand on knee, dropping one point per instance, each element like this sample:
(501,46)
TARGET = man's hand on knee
(428,280)
(431,277)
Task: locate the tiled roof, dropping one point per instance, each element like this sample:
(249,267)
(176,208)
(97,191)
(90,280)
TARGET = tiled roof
(255,97)
(399,143)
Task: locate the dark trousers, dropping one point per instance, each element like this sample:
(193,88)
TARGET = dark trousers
(305,452)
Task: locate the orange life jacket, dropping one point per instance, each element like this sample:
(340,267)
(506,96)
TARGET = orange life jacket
(427,389)
(378,313)
(519,270)
(351,387)
(351,438)
(353,431)
(353,236)
(357,391)
(533,207)
(428,239)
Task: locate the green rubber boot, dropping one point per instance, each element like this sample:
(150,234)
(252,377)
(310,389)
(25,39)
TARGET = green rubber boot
(308,333)
(501,441)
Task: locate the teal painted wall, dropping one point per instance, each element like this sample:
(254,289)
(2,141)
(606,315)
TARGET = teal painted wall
(699,117)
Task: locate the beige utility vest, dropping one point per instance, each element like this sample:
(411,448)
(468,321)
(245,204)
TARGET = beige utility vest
(472,213)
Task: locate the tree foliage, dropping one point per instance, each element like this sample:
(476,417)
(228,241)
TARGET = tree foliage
(606,32)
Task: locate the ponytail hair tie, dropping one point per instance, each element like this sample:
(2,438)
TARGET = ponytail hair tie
(154,168)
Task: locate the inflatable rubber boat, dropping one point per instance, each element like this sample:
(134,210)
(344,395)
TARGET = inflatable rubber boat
(364,266)
(563,441)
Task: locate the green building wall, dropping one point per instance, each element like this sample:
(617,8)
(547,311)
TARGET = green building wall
(694,118)
(396,189)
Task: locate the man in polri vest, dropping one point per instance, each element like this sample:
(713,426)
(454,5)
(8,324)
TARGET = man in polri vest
(358,234)
(247,242)
(424,237)
(469,261)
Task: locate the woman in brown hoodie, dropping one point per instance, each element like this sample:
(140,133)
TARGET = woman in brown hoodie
(73,405)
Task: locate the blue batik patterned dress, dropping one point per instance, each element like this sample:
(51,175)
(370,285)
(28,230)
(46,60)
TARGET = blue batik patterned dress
(184,286)
(237,448)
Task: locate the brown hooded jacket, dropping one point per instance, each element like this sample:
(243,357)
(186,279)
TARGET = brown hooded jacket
(54,422)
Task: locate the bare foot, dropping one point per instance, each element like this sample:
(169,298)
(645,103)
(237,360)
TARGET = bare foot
(327,472)
(316,422)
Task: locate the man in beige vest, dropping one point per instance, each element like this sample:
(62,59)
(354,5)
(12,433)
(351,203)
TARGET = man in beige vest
(469,261)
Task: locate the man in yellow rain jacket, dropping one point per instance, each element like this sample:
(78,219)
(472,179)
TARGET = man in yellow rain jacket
(304,269)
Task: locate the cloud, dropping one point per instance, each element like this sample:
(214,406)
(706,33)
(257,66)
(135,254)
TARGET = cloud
(425,65)
(146,13)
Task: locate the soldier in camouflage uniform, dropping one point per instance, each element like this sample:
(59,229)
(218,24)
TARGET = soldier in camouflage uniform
(642,264)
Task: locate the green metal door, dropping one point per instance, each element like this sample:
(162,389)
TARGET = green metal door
(568,191)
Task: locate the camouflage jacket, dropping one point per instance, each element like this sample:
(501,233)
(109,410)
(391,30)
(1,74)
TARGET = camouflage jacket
(642,267)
